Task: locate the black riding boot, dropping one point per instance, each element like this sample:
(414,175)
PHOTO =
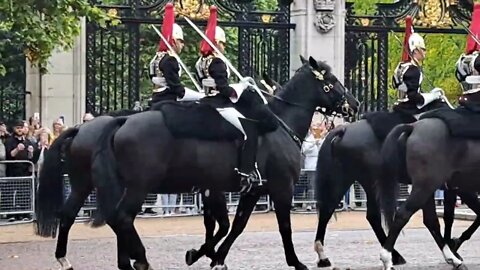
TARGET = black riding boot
(249,173)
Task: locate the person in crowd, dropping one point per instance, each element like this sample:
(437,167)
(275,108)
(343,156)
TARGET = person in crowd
(19,148)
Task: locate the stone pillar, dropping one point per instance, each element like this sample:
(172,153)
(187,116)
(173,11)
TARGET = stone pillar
(319,32)
(62,91)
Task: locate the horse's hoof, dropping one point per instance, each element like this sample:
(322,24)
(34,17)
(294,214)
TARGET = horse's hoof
(324,263)
(190,256)
(220,267)
(301,266)
(397,259)
(458,255)
(461,267)
(142,266)
(65,264)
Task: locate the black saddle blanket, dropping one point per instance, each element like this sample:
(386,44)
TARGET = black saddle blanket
(196,120)
(461,122)
(383,122)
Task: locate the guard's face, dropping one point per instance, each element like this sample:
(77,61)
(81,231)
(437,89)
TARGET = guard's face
(221,46)
(420,54)
(179,44)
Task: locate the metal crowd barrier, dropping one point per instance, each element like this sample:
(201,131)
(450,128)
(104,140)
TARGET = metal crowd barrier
(358,197)
(17,199)
(17,195)
(304,199)
(159,205)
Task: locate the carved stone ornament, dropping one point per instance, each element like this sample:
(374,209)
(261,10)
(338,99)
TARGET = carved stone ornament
(324,21)
(324,5)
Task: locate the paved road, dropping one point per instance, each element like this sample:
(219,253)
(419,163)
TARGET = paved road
(355,249)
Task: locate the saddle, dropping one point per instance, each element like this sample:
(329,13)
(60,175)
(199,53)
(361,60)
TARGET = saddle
(196,120)
(461,122)
(383,122)
(203,119)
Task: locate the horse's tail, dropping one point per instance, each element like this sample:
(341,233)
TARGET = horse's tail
(327,168)
(49,199)
(394,167)
(104,172)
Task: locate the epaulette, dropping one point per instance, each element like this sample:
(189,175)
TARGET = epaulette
(206,61)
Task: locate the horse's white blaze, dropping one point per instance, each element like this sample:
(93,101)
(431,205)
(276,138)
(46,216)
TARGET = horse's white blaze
(207,193)
(450,258)
(64,263)
(386,258)
(320,250)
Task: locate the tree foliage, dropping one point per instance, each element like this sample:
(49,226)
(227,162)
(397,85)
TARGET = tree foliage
(443,50)
(38,27)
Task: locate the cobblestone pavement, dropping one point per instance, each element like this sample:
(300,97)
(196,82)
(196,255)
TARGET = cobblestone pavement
(253,250)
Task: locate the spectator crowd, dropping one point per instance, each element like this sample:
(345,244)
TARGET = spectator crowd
(22,144)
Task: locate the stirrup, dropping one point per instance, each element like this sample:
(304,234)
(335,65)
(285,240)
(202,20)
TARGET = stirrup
(248,181)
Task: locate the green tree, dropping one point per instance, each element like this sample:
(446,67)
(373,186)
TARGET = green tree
(443,51)
(37,27)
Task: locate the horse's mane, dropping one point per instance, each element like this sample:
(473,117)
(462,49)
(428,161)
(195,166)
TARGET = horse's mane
(123,112)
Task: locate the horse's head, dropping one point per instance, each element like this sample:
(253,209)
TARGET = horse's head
(328,91)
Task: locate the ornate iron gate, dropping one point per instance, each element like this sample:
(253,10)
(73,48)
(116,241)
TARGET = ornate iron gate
(367,42)
(117,57)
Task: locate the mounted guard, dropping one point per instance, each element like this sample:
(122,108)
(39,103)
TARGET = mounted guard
(467,68)
(408,75)
(165,69)
(213,70)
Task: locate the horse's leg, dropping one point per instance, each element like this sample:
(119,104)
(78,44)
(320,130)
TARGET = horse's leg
(215,209)
(375,219)
(471,200)
(449,200)
(326,210)
(430,219)
(129,206)
(414,202)
(68,214)
(244,210)
(220,213)
(123,256)
(283,202)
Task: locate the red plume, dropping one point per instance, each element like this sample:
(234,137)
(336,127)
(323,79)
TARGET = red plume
(408,33)
(206,49)
(472,45)
(167,27)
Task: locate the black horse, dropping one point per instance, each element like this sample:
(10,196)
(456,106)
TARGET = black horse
(353,153)
(426,154)
(169,164)
(71,154)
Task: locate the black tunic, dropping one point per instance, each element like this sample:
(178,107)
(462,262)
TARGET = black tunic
(218,71)
(411,78)
(170,68)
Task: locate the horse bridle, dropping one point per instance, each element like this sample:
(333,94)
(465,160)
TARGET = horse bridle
(341,103)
